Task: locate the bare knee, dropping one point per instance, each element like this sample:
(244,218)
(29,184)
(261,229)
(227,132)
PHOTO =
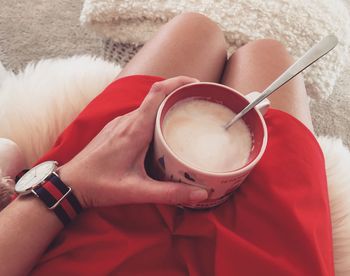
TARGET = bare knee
(268,45)
(201,27)
(196,19)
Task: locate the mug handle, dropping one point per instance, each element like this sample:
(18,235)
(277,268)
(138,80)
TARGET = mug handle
(263,106)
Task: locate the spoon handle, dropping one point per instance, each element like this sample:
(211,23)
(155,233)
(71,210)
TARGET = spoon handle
(312,55)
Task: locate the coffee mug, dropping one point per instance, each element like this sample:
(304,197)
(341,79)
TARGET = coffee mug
(166,165)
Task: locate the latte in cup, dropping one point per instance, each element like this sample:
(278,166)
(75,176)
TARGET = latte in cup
(194,131)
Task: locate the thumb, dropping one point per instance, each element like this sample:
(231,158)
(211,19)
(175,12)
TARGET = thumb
(173,193)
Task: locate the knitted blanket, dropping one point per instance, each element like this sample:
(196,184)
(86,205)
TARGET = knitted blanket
(298,24)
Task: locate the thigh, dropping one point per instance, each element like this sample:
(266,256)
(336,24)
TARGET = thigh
(256,65)
(190,44)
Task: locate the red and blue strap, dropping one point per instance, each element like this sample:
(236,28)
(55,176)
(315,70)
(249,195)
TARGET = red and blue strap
(59,197)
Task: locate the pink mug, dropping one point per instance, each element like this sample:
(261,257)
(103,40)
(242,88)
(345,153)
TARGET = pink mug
(167,166)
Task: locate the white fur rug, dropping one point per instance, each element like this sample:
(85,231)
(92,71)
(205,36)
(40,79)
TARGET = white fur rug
(337,158)
(37,104)
(298,24)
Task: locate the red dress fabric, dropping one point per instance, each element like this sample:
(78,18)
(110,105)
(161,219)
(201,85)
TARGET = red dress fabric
(276,223)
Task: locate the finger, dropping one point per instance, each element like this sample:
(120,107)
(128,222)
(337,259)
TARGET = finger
(157,94)
(172,193)
(142,119)
(145,119)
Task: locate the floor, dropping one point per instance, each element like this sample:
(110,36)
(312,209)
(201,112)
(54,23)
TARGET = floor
(35,29)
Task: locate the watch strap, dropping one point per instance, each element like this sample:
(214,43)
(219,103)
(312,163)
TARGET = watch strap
(59,197)
(20,174)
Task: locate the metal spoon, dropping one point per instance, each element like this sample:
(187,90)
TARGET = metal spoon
(312,55)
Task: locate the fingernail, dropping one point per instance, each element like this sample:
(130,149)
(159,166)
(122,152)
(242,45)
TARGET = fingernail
(198,195)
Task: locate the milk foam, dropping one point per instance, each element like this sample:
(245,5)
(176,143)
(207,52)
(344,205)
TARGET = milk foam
(194,131)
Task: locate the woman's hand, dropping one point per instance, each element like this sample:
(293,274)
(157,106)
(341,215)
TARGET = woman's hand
(110,169)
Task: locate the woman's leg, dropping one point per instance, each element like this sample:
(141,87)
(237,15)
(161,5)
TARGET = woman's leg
(190,44)
(256,65)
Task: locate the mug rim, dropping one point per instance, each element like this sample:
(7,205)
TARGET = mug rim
(245,168)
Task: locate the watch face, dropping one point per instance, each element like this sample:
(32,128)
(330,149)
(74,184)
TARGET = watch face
(35,176)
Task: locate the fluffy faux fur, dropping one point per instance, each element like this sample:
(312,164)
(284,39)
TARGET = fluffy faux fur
(38,103)
(337,158)
(6,190)
(12,161)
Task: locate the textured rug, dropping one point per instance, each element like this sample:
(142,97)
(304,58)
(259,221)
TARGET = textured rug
(36,29)
(298,24)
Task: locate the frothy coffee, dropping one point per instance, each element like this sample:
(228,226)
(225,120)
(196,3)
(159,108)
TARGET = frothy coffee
(194,131)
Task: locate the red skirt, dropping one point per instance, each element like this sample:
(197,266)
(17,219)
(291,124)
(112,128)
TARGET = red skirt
(276,223)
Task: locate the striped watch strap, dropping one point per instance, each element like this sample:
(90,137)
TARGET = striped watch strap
(59,197)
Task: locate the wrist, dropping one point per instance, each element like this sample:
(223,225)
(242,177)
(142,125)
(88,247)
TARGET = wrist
(68,176)
(32,203)
(44,182)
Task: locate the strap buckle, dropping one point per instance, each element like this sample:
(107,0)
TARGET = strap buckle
(58,201)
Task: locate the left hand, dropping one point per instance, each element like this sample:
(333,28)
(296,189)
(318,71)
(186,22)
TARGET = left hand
(110,169)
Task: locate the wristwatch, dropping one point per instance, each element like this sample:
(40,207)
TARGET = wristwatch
(44,182)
